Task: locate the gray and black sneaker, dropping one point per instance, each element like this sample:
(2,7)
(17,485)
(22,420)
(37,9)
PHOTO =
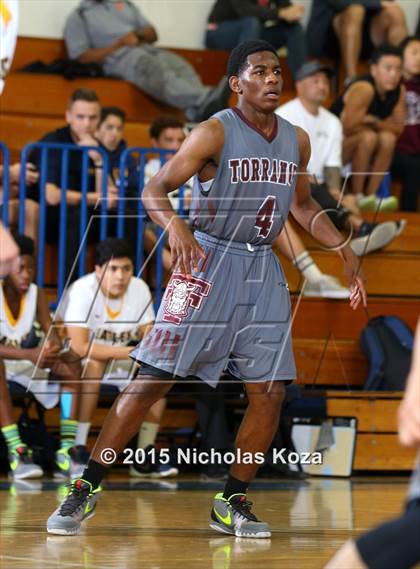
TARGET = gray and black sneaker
(234,516)
(22,465)
(79,505)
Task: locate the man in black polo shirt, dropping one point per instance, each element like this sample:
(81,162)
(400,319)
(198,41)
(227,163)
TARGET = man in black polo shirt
(82,117)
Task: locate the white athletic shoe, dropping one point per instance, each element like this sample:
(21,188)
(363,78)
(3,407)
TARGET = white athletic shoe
(327,287)
(379,237)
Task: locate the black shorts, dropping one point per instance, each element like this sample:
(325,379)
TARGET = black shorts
(395,544)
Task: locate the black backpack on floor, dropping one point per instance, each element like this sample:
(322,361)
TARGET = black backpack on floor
(387,342)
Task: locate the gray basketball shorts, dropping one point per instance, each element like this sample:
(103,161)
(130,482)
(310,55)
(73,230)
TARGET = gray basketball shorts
(234,314)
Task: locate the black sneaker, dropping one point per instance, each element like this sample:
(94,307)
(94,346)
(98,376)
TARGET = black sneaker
(214,472)
(79,505)
(152,469)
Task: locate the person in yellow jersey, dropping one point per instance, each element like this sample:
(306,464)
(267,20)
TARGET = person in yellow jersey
(24,361)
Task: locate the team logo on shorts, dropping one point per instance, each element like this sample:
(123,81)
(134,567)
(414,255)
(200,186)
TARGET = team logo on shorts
(182,293)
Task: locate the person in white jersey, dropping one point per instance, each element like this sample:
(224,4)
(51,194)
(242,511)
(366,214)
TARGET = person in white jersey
(326,135)
(104,312)
(23,362)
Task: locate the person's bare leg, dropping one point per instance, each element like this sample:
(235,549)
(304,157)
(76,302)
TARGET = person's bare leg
(259,424)
(389,26)
(128,412)
(359,149)
(6,409)
(347,557)
(91,384)
(348,27)
(288,242)
(382,160)
(156,411)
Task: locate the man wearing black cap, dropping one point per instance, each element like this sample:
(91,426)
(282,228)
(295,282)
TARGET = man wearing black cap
(326,136)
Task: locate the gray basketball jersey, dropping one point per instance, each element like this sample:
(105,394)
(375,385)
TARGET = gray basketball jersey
(249,199)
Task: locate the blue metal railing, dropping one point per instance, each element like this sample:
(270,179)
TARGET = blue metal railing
(6,183)
(128,209)
(138,212)
(44,148)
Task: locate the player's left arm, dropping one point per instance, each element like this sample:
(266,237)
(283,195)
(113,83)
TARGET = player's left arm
(311,217)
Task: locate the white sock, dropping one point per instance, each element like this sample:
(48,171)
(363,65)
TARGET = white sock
(147,434)
(82,433)
(306,265)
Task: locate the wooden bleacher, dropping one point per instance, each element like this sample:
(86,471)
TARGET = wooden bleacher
(326,332)
(33,104)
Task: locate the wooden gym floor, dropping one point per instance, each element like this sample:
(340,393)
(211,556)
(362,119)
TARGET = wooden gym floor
(152,525)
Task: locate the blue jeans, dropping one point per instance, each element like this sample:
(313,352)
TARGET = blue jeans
(228,34)
(293,37)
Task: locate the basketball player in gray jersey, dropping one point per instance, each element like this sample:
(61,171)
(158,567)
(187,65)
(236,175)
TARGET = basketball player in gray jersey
(227,305)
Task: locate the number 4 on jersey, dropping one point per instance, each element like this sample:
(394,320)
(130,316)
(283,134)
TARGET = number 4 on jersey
(264,219)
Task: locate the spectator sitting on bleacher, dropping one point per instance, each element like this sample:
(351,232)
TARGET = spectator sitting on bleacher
(116,35)
(82,117)
(406,164)
(326,137)
(372,111)
(278,21)
(25,362)
(352,28)
(104,312)
(110,134)
(31,207)
(167,133)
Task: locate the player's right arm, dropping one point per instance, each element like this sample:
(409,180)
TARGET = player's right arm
(203,144)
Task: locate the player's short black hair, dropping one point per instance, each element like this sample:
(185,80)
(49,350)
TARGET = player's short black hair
(112,248)
(240,53)
(83,94)
(384,50)
(26,244)
(162,123)
(114,111)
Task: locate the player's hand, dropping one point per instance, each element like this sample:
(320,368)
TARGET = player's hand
(130,40)
(112,197)
(409,412)
(186,252)
(31,174)
(89,140)
(44,356)
(9,253)
(355,277)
